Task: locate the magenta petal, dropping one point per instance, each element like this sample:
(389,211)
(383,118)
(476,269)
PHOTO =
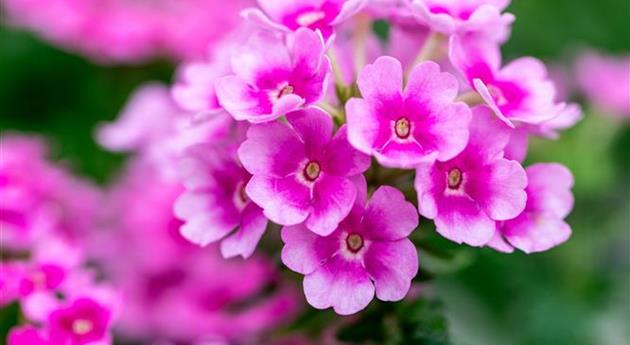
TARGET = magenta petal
(365,130)
(428,183)
(461,220)
(244,240)
(499,189)
(205,223)
(271,149)
(308,48)
(341,159)
(392,266)
(431,87)
(388,216)
(536,232)
(284,200)
(304,251)
(484,92)
(341,284)
(313,126)
(333,198)
(381,80)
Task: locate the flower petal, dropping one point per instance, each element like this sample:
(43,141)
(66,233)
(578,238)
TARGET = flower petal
(244,240)
(305,251)
(392,266)
(461,220)
(388,216)
(284,200)
(333,198)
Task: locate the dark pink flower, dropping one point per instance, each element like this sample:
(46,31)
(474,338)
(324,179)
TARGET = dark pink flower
(404,128)
(367,253)
(468,194)
(82,321)
(273,78)
(290,15)
(302,173)
(541,225)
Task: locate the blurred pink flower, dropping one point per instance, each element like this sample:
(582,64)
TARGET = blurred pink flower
(605,81)
(120,31)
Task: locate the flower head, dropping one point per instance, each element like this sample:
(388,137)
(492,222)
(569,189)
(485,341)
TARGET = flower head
(404,128)
(82,321)
(302,173)
(367,253)
(272,79)
(468,194)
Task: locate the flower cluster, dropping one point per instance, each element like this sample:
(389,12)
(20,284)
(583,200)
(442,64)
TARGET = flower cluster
(280,126)
(45,214)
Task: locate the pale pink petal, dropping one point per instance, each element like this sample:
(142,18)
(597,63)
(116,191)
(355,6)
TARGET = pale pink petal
(333,198)
(449,132)
(430,87)
(499,189)
(381,81)
(263,52)
(241,100)
(392,266)
(461,220)
(341,159)
(343,285)
(536,232)
(257,17)
(285,200)
(499,244)
(305,251)
(428,182)
(349,9)
(549,189)
(365,130)
(244,240)
(271,149)
(388,216)
(313,126)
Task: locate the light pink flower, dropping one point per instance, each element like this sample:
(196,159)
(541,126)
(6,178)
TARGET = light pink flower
(459,16)
(541,225)
(28,335)
(215,203)
(468,194)
(605,80)
(404,128)
(302,173)
(273,78)
(368,253)
(520,92)
(290,15)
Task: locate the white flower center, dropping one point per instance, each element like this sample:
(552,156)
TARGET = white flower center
(310,18)
(454,178)
(402,128)
(82,326)
(354,242)
(312,171)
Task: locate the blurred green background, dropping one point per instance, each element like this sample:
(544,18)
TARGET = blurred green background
(577,294)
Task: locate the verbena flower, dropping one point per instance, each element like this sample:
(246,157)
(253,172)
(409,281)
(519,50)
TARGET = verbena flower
(301,172)
(404,128)
(468,194)
(367,254)
(272,78)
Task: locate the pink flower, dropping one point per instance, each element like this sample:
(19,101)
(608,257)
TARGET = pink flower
(468,194)
(272,79)
(368,252)
(194,91)
(605,80)
(215,204)
(458,16)
(290,15)
(82,321)
(519,92)
(404,128)
(119,31)
(541,225)
(302,173)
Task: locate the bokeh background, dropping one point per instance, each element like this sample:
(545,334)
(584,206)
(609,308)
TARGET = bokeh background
(577,294)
